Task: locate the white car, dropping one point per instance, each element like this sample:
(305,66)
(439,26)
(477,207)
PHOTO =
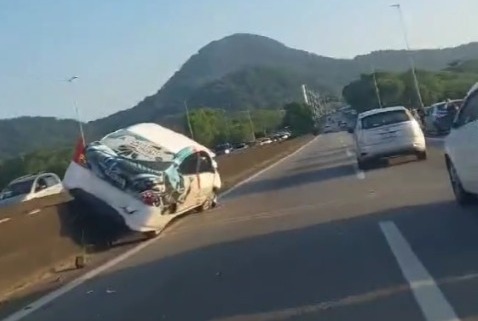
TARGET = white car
(461,150)
(29,187)
(387,132)
(144,175)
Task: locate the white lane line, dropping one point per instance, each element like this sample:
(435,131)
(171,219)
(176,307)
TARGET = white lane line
(428,295)
(34,306)
(5,220)
(250,178)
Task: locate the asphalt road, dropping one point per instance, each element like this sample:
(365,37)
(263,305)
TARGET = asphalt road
(311,239)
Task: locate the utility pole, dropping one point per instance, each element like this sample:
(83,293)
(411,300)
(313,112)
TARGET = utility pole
(251,123)
(228,130)
(188,119)
(77,112)
(377,90)
(412,63)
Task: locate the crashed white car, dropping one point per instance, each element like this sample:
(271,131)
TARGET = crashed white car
(29,187)
(144,175)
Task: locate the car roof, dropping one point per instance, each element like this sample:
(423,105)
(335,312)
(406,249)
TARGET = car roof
(28,177)
(167,138)
(379,111)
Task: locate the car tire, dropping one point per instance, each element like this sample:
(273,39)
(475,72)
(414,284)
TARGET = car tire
(209,203)
(362,165)
(463,198)
(421,155)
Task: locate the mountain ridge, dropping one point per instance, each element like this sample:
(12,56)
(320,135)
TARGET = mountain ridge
(237,71)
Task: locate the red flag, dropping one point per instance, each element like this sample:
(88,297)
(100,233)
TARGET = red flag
(79,155)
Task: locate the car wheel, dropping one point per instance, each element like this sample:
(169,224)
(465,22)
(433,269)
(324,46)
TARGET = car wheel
(362,165)
(422,155)
(209,203)
(462,197)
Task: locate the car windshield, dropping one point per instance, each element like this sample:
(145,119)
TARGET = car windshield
(18,188)
(384,118)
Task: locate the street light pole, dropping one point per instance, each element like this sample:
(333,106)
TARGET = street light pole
(251,123)
(77,112)
(377,90)
(412,63)
(188,119)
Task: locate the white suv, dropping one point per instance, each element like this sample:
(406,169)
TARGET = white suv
(461,150)
(387,132)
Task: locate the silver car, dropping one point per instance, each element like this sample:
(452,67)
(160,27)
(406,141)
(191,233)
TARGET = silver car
(387,132)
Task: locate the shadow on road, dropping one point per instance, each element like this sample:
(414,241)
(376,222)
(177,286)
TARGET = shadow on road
(339,270)
(297,176)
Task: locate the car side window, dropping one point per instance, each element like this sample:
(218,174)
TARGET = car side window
(40,184)
(205,163)
(469,111)
(189,165)
(51,180)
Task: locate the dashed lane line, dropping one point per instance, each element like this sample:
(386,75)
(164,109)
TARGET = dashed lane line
(5,220)
(428,295)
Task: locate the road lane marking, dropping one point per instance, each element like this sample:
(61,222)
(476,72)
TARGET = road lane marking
(41,302)
(5,220)
(428,295)
(349,153)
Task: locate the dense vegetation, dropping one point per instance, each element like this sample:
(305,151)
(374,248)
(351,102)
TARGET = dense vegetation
(209,126)
(398,88)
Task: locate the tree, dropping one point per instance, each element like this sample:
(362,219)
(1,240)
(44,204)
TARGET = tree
(299,117)
(399,88)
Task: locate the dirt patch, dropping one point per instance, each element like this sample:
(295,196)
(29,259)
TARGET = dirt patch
(39,243)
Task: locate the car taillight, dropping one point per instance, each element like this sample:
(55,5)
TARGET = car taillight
(150,198)
(79,155)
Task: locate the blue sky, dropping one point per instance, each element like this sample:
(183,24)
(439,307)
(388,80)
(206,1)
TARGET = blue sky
(123,50)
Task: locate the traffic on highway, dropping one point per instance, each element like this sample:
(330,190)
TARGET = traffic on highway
(312,237)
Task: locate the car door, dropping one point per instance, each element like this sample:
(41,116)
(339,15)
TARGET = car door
(53,183)
(463,144)
(39,188)
(189,170)
(207,175)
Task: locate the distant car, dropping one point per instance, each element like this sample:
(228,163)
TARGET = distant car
(240,146)
(144,176)
(264,141)
(223,149)
(461,150)
(30,187)
(439,116)
(387,132)
(328,129)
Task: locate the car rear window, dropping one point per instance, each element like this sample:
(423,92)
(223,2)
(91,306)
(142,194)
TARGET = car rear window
(384,118)
(134,147)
